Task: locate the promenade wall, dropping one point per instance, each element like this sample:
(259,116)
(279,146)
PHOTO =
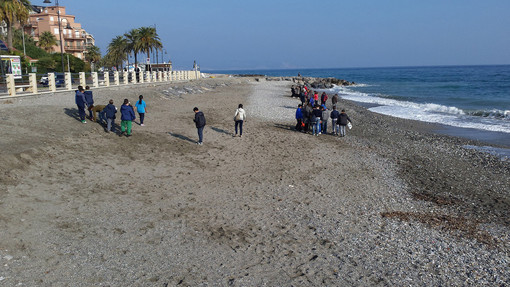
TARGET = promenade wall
(33,85)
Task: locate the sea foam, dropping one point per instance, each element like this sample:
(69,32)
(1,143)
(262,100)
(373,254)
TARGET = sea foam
(430,112)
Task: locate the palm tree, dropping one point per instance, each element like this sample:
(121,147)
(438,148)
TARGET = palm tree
(149,40)
(133,43)
(93,55)
(11,12)
(47,40)
(117,51)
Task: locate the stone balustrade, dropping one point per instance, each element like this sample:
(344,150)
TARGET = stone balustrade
(128,78)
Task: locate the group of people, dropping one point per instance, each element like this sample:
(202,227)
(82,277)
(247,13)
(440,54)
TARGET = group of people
(306,95)
(239,119)
(84,100)
(107,113)
(310,115)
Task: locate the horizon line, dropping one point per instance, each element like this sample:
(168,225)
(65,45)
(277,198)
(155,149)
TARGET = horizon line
(365,67)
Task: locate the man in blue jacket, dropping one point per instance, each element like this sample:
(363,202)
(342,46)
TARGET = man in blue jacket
(200,124)
(90,100)
(299,118)
(81,102)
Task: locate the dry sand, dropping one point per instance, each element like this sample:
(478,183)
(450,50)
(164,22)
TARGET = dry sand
(391,204)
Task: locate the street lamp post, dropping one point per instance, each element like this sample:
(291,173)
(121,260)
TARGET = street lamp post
(59,33)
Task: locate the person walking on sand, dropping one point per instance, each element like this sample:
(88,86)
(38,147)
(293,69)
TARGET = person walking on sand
(299,118)
(200,124)
(325,118)
(343,119)
(141,108)
(324,98)
(334,118)
(316,120)
(334,100)
(81,102)
(90,100)
(95,110)
(315,98)
(127,117)
(302,96)
(239,118)
(110,110)
(307,116)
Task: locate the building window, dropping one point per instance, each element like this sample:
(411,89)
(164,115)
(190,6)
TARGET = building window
(52,19)
(55,31)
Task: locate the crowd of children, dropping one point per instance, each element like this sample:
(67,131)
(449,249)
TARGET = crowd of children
(84,98)
(313,115)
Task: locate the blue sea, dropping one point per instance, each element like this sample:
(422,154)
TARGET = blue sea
(471,101)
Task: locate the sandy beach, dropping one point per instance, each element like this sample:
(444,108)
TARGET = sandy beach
(390,204)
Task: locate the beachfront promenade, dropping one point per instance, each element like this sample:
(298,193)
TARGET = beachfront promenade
(94,80)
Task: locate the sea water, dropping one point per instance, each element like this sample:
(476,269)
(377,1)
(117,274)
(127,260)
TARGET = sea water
(475,98)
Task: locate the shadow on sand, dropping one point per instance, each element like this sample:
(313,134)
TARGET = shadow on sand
(221,131)
(285,127)
(73,113)
(181,137)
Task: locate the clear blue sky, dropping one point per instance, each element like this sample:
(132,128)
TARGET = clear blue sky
(276,34)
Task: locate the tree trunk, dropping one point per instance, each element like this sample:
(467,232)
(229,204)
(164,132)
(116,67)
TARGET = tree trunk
(148,57)
(9,36)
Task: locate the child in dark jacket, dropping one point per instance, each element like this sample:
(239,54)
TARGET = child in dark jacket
(81,102)
(334,118)
(110,110)
(127,117)
(316,120)
(343,120)
(90,100)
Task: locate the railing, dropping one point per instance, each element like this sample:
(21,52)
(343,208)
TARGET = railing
(76,48)
(71,36)
(36,84)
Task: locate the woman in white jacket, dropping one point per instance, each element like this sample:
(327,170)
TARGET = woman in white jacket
(239,118)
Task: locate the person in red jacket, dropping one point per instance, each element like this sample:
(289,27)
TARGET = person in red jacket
(324,98)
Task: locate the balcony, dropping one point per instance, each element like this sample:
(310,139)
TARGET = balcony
(73,37)
(79,48)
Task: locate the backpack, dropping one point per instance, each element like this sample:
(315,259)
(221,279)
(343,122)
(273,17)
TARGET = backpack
(201,120)
(238,116)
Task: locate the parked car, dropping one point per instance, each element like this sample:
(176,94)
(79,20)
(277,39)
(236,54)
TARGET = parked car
(43,80)
(59,80)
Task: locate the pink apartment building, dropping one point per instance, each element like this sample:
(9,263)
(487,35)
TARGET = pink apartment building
(74,38)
